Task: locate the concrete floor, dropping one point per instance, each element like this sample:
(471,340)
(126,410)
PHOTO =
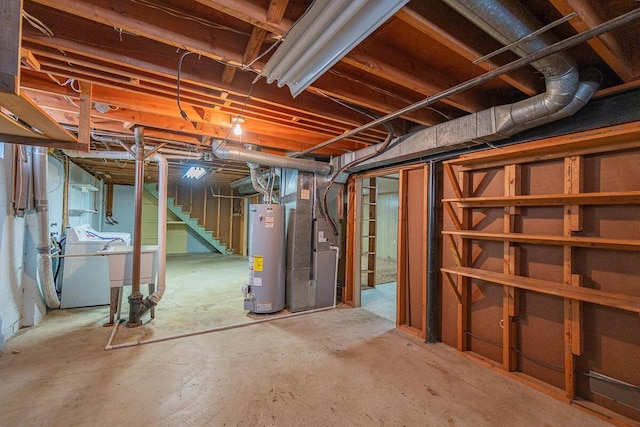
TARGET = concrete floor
(344,367)
(380,300)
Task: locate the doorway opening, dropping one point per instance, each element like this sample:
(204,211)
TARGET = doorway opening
(379,245)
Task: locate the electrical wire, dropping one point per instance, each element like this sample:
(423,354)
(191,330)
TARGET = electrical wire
(381,148)
(37,24)
(387,93)
(60,178)
(182,112)
(178,14)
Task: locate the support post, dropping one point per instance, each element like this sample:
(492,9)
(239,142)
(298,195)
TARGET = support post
(512,187)
(11,36)
(573,184)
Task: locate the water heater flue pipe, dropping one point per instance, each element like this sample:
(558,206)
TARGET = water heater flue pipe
(227,152)
(45,272)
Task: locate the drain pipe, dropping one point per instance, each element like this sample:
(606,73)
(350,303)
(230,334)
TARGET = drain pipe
(163,179)
(432,256)
(135,298)
(226,152)
(44,265)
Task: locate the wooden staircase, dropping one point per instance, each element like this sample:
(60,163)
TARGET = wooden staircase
(192,223)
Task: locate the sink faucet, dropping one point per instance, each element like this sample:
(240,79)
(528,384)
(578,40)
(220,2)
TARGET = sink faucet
(105,247)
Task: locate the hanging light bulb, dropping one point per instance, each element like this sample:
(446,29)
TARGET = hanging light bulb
(237,129)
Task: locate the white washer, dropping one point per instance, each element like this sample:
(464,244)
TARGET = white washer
(85,276)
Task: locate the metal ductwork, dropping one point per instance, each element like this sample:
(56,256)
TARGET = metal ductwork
(566,92)
(253,173)
(226,152)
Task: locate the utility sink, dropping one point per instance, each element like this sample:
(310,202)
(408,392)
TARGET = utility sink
(121,264)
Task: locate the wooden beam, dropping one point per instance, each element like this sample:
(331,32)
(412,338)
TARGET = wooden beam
(43,142)
(28,60)
(466,254)
(129,16)
(197,75)
(453,215)
(250,12)
(606,45)
(573,184)
(454,249)
(250,53)
(511,266)
(11,36)
(30,113)
(276,10)
(156,25)
(453,180)
(84,127)
(405,72)
(519,80)
(173,122)
(122,98)
(612,138)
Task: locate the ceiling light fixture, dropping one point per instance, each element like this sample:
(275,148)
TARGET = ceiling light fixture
(236,123)
(325,34)
(195,172)
(101,107)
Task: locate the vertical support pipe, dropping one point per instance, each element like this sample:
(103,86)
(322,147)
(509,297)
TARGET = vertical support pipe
(65,197)
(135,299)
(432,254)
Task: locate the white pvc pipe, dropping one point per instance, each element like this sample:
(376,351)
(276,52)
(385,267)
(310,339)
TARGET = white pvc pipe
(109,346)
(163,180)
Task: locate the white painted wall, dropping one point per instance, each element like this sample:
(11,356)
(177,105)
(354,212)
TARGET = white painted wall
(79,199)
(11,242)
(123,196)
(21,303)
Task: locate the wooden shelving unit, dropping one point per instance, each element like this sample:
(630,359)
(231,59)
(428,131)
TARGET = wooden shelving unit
(461,208)
(369,194)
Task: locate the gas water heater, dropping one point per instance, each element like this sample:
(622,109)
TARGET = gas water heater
(265,292)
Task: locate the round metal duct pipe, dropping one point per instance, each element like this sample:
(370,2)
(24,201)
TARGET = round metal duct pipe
(226,152)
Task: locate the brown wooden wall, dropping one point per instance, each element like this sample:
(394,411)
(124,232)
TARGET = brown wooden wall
(542,337)
(218,210)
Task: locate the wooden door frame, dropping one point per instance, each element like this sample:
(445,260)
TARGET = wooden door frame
(354,241)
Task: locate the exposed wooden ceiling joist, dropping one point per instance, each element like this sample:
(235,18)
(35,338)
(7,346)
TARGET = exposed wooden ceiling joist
(128,51)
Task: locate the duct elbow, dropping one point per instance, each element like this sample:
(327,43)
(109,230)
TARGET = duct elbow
(561,90)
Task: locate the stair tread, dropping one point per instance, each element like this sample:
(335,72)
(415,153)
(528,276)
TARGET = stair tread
(192,222)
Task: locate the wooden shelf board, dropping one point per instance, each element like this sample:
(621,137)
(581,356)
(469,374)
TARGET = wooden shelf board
(594,296)
(30,113)
(618,137)
(609,198)
(576,241)
(12,127)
